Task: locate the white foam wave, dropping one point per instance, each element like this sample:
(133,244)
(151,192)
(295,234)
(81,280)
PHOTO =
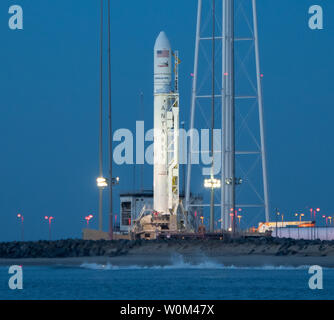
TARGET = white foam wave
(179,263)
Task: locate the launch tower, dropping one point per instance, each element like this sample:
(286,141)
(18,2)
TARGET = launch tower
(238,92)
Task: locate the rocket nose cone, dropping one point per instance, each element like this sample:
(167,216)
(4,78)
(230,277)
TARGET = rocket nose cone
(162,41)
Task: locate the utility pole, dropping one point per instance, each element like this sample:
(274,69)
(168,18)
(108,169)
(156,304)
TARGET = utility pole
(110,127)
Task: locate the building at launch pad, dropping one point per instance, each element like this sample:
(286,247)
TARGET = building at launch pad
(134,206)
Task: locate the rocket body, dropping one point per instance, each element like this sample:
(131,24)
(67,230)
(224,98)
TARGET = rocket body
(162,91)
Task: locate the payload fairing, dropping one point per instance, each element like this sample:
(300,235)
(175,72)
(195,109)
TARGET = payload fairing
(166,129)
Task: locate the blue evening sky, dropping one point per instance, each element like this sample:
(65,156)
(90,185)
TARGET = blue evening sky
(49,98)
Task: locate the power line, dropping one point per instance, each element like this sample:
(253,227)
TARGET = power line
(110,127)
(101,118)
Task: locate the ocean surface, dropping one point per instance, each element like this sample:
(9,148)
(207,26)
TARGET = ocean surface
(180,280)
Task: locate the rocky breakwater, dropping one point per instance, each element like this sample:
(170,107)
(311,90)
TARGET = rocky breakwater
(89,248)
(64,248)
(237,247)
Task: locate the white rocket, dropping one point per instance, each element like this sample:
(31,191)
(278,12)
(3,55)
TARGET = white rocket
(166,129)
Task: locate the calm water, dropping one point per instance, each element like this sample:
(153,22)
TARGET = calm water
(178,281)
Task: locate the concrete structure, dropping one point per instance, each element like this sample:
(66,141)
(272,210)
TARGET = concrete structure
(92,234)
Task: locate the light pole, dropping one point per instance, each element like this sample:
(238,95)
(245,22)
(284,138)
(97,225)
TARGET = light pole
(277,214)
(300,220)
(282,225)
(300,216)
(282,216)
(115,222)
(316,211)
(325,219)
(296,215)
(232,215)
(196,221)
(20,216)
(212,184)
(312,215)
(50,220)
(114,181)
(221,223)
(102,183)
(88,218)
(239,217)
